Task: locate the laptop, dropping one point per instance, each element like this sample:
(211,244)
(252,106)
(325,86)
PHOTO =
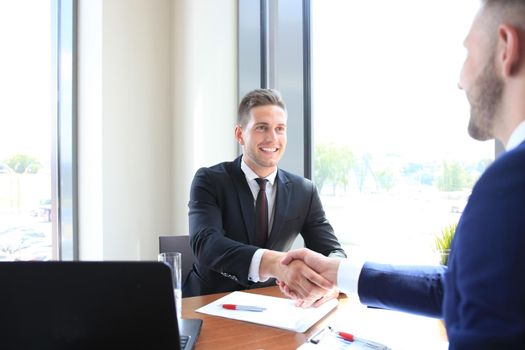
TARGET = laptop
(90,305)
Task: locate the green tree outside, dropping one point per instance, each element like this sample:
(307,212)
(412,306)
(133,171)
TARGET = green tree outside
(332,164)
(24,164)
(385,179)
(453,177)
(362,169)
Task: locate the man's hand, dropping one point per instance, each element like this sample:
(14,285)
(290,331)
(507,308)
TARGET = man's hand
(326,267)
(331,293)
(304,283)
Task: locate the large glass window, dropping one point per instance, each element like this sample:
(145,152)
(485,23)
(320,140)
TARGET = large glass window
(29,161)
(392,157)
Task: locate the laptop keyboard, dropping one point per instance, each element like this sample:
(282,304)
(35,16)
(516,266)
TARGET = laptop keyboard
(184,339)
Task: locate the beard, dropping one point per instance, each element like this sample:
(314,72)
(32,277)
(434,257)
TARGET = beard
(485,101)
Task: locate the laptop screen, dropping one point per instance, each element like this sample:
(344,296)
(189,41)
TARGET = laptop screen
(87,305)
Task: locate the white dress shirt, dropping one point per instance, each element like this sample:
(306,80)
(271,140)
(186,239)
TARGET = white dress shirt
(271,192)
(348,275)
(517,136)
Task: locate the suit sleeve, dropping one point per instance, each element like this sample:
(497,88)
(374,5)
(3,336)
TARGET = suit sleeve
(414,289)
(317,232)
(211,246)
(486,283)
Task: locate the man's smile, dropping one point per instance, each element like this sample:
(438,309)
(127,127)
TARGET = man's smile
(269,149)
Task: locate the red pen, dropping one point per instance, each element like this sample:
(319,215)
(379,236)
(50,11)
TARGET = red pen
(343,335)
(346,336)
(243,307)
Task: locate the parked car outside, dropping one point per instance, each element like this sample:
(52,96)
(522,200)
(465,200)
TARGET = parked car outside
(4,169)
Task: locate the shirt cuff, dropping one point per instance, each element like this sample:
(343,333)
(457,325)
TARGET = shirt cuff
(348,275)
(253,272)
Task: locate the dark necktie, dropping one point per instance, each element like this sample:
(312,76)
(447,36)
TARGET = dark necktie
(261,214)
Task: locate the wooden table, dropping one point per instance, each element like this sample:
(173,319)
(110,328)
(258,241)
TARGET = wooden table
(395,329)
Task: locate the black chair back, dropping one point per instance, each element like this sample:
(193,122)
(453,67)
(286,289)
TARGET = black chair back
(179,244)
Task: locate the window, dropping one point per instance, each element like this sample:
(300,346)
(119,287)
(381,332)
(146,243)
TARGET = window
(392,157)
(374,114)
(31,185)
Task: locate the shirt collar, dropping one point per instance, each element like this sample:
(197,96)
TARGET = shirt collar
(517,136)
(251,175)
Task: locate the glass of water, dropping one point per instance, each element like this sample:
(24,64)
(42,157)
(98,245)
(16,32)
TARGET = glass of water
(173,260)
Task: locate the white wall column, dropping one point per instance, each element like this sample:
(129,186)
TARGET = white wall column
(125,141)
(204,78)
(157,100)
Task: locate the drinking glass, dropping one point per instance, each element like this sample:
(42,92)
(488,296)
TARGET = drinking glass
(173,260)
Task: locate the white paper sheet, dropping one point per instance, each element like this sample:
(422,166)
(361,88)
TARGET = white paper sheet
(280,312)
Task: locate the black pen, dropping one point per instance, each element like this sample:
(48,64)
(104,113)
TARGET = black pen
(314,339)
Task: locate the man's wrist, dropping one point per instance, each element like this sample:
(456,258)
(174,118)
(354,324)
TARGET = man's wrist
(332,271)
(253,272)
(270,262)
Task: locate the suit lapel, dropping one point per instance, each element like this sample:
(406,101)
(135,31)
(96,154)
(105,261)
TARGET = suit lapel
(245,198)
(282,201)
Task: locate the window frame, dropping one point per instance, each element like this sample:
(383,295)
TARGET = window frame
(259,60)
(264,29)
(64,187)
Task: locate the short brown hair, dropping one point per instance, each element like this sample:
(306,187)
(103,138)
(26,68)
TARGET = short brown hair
(513,10)
(256,98)
(510,11)
(502,2)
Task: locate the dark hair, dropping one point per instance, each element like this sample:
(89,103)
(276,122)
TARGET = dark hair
(502,4)
(510,11)
(256,98)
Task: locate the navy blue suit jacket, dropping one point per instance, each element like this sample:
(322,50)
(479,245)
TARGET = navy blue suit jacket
(483,288)
(222,226)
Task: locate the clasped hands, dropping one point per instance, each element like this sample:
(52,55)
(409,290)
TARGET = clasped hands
(303,275)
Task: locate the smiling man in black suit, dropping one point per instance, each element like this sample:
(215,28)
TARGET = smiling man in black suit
(222,212)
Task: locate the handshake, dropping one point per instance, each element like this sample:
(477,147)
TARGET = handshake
(303,275)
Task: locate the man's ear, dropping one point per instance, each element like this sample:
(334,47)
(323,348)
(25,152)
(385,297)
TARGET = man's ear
(238,134)
(509,49)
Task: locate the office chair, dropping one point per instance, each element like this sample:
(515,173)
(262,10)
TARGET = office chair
(179,244)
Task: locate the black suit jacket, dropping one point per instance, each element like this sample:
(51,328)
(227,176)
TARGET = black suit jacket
(222,226)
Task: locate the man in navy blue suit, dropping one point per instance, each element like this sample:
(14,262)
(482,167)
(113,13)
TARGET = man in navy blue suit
(222,212)
(481,295)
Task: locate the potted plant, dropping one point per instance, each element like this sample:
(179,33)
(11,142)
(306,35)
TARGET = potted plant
(443,242)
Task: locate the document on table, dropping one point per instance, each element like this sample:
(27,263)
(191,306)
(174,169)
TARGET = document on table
(279,312)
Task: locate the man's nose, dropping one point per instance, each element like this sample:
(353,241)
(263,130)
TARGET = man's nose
(271,135)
